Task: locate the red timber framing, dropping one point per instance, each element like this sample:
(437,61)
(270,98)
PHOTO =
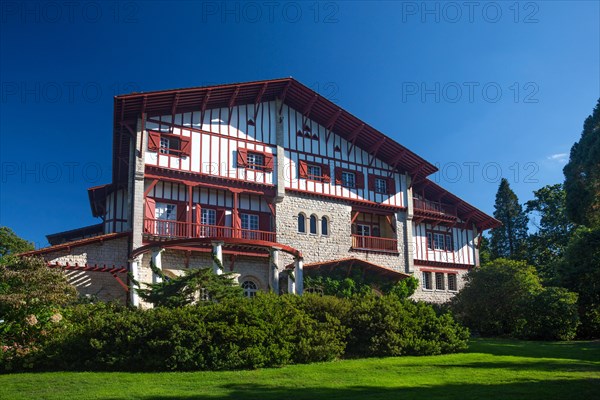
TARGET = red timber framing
(184,227)
(440,264)
(95,268)
(130,107)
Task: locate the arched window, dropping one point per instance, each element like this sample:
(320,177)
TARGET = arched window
(324,226)
(250,288)
(313,224)
(301,223)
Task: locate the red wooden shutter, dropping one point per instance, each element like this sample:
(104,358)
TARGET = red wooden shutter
(182,212)
(242,158)
(198,219)
(391,185)
(303,170)
(326,171)
(220,217)
(150,213)
(186,146)
(264,222)
(372,179)
(338,176)
(268,162)
(360,180)
(153,140)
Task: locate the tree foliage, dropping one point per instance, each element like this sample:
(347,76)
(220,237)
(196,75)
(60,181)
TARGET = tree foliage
(193,286)
(341,283)
(579,271)
(11,244)
(547,245)
(30,297)
(506,298)
(508,240)
(582,174)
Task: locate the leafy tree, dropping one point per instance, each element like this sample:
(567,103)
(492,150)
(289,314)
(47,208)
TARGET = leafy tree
(11,244)
(194,286)
(494,299)
(485,254)
(508,240)
(579,271)
(506,298)
(30,297)
(547,245)
(582,174)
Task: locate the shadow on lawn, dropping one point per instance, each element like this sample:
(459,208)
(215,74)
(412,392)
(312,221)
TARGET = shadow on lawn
(575,350)
(559,389)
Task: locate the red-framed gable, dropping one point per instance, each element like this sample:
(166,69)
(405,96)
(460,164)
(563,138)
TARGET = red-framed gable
(128,108)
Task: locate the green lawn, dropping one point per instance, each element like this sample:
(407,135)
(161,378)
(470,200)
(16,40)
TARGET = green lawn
(492,369)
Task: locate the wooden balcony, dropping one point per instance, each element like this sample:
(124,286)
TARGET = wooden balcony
(434,210)
(163,229)
(372,243)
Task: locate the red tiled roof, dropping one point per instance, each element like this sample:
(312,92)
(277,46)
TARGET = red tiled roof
(75,243)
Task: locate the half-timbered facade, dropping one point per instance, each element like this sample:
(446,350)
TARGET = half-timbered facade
(261,179)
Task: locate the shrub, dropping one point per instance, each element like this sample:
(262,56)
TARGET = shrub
(552,315)
(266,331)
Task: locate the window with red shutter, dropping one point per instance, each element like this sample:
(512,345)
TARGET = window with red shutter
(153,140)
(242,158)
(186,146)
(326,173)
(303,170)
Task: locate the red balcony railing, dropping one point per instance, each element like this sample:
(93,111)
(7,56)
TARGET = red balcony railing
(374,243)
(432,206)
(177,229)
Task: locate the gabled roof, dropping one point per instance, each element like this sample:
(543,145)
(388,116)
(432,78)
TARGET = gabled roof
(76,243)
(128,108)
(465,211)
(351,262)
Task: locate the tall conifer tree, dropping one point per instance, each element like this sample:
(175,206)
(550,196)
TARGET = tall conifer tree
(508,240)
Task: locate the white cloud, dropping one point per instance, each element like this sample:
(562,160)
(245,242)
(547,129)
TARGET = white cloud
(559,157)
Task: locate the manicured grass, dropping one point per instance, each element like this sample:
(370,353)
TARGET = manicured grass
(492,369)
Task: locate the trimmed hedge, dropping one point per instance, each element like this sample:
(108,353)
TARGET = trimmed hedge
(266,331)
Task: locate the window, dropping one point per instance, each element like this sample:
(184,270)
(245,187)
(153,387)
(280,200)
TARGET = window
(167,143)
(314,172)
(301,223)
(427,280)
(439,281)
(452,282)
(256,161)
(208,217)
(439,241)
(313,224)
(363,230)
(249,221)
(250,288)
(324,226)
(166,214)
(381,185)
(348,179)
(448,243)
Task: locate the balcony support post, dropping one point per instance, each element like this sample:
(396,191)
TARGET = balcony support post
(299,275)
(218,254)
(274,270)
(134,265)
(157,261)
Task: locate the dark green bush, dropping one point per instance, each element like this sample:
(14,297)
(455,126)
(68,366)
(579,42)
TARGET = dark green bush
(266,331)
(388,326)
(552,315)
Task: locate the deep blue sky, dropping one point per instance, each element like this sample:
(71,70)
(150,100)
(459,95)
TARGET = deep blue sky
(528,75)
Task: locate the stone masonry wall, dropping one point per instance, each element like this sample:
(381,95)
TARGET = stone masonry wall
(338,243)
(102,285)
(435,295)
